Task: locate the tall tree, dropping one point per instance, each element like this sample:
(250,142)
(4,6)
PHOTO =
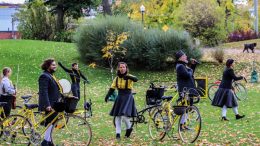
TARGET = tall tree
(207,25)
(157,12)
(35,22)
(64,8)
(106,7)
(229,8)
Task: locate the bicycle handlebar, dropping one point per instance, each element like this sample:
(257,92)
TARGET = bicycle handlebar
(153,86)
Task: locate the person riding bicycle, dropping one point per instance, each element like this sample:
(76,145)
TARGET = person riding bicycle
(7,91)
(225,97)
(49,92)
(124,105)
(185,78)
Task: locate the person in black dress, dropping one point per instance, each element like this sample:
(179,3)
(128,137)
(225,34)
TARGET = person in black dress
(75,75)
(124,105)
(225,97)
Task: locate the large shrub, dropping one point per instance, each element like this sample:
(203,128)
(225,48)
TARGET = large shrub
(146,48)
(91,36)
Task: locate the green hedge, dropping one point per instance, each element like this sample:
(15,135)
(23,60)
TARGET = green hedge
(151,49)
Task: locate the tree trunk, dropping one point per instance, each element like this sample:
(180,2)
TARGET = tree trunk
(106,7)
(60,19)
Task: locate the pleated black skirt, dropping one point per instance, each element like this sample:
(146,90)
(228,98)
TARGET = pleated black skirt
(124,104)
(225,97)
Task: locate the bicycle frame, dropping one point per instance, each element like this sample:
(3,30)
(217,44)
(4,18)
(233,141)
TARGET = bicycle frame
(140,118)
(2,113)
(167,106)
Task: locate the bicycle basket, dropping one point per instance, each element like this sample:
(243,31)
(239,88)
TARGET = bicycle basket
(59,106)
(153,95)
(179,110)
(70,104)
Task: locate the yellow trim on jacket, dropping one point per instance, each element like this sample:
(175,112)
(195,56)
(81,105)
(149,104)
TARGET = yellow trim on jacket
(121,83)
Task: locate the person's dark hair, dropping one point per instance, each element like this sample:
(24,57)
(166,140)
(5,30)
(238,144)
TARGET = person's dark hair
(73,64)
(118,66)
(6,70)
(229,62)
(47,63)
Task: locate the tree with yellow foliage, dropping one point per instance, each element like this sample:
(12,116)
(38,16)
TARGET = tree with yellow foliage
(113,49)
(157,14)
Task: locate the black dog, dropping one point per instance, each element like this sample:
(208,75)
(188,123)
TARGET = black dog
(249,46)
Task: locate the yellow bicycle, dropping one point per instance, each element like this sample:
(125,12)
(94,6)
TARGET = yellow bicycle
(67,128)
(2,113)
(186,116)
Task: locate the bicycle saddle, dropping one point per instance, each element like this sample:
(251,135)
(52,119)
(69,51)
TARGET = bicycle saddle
(168,98)
(26,97)
(31,106)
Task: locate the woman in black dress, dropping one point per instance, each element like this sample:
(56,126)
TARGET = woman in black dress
(124,106)
(225,97)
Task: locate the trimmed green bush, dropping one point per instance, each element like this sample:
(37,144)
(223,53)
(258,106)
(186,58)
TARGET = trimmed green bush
(151,49)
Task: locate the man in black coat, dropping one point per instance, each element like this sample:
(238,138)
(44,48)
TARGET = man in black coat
(49,92)
(185,78)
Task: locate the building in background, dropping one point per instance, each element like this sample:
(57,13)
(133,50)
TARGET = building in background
(8,25)
(241,2)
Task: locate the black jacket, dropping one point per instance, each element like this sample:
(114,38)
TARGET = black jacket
(48,91)
(185,76)
(228,77)
(74,74)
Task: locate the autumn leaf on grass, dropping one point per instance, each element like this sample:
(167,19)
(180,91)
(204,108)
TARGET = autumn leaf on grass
(92,65)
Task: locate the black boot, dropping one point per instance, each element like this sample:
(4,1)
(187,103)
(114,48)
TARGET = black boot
(118,136)
(239,116)
(46,143)
(224,119)
(128,132)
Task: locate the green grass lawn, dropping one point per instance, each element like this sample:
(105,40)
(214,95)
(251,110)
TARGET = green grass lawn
(30,54)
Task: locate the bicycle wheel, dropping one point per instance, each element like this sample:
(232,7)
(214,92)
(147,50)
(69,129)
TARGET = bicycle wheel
(240,91)
(15,129)
(190,125)
(154,110)
(212,90)
(123,125)
(71,130)
(156,127)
